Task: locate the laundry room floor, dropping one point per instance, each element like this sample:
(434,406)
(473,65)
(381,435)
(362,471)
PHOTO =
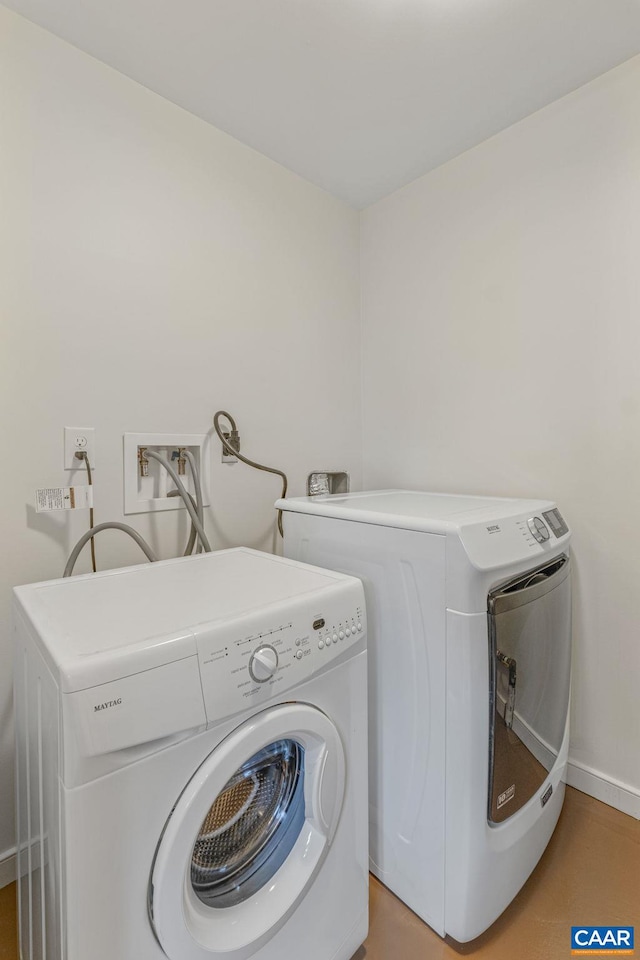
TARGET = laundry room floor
(589,875)
(8,928)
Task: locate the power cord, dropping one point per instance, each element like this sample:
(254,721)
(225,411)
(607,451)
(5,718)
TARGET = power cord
(82,455)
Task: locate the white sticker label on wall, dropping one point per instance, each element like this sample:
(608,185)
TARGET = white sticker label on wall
(64,498)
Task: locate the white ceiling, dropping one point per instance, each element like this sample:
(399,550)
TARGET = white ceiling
(357,96)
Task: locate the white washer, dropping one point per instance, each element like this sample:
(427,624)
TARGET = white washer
(469,661)
(192,762)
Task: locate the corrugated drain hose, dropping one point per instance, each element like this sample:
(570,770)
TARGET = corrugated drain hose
(231,450)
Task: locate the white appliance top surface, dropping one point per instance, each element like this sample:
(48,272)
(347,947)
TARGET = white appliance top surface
(98,614)
(414,510)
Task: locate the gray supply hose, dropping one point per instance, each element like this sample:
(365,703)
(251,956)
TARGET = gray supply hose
(197,486)
(185,496)
(192,532)
(250,463)
(91,532)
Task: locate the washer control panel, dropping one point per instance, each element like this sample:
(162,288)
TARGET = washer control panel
(538,528)
(556,522)
(505,540)
(336,633)
(250,660)
(542,527)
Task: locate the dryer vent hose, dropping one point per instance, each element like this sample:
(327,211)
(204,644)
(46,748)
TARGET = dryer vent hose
(233,452)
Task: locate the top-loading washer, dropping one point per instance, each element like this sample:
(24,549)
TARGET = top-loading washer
(469,670)
(192,762)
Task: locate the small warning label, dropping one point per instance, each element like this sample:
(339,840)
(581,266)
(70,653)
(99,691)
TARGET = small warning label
(64,498)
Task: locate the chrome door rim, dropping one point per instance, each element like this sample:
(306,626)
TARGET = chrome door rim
(258,816)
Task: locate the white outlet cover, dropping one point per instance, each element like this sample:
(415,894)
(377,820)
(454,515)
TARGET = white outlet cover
(149,494)
(77,439)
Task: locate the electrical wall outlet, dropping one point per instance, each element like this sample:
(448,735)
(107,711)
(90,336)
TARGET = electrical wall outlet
(79,440)
(150,492)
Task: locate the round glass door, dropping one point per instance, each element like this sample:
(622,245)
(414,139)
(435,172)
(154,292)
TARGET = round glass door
(251,827)
(247,835)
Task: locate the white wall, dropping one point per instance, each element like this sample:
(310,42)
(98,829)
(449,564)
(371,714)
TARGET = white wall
(501,298)
(152,271)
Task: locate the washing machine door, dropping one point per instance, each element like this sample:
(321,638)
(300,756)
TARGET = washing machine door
(248,835)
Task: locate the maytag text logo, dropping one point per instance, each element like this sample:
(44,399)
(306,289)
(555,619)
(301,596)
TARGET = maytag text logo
(602,940)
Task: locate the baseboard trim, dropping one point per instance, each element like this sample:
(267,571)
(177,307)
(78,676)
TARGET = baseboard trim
(7,867)
(597,785)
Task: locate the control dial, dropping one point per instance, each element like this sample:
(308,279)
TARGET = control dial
(539,529)
(263,663)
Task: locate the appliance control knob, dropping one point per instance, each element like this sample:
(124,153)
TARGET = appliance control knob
(538,529)
(263,664)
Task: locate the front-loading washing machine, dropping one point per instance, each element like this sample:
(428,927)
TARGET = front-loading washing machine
(469,660)
(192,774)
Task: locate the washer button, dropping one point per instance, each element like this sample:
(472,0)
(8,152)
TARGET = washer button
(335,638)
(341,635)
(299,655)
(348,632)
(359,627)
(320,644)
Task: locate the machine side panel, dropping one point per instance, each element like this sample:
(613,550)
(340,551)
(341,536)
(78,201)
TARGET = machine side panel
(403,576)
(40,880)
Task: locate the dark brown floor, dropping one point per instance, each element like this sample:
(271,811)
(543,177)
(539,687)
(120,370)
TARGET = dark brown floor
(589,874)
